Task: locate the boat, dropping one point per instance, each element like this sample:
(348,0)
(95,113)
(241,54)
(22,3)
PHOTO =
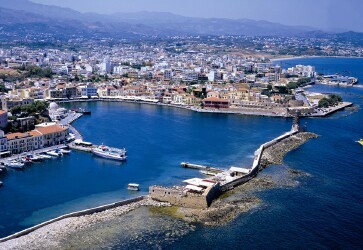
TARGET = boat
(26,159)
(14,164)
(44,156)
(110,153)
(360,142)
(133,187)
(82,111)
(1,183)
(34,158)
(54,153)
(208,173)
(65,151)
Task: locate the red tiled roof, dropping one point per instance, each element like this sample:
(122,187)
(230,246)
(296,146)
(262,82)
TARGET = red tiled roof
(50,129)
(17,135)
(215,99)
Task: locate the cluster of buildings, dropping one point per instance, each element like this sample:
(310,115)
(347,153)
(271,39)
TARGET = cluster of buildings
(202,77)
(194,75)
(44,135)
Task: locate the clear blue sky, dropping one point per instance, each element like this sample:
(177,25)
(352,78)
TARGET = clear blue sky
(325,14)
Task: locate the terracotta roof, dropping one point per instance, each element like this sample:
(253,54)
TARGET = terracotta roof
(3,112)
(35,133)
(50,129)
(17,135)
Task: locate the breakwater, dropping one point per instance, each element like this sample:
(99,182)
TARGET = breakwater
(74,214)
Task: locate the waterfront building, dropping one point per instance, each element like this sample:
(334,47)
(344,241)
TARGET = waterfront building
(44,135)
(3,143)
(214,102)
(89,90)
(56,112)
(19,142)
(53,134)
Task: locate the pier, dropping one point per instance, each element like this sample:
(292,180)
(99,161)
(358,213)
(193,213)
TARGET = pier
(201,167)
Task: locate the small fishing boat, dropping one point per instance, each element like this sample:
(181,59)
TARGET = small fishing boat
(54,153)
(65,151)
(133,187)
(360,142)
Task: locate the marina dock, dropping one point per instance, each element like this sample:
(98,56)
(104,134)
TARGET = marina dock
(38,151)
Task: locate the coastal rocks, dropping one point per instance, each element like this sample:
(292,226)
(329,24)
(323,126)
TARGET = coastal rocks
(276,153)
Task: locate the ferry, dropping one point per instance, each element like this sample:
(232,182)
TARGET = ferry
(360,142)
(110,153)
(133,187)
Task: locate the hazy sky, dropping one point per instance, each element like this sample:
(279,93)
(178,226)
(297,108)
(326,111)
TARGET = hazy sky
(325,14)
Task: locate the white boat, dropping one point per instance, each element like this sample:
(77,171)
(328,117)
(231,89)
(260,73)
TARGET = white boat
(14,164)
(65,151)
(133,187)
(34,158)
(1,183)
(110,153)
(44,156)
(54,153)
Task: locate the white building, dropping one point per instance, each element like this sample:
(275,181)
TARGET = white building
(89,90)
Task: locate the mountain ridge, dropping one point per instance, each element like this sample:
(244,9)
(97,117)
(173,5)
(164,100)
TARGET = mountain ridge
(144,23)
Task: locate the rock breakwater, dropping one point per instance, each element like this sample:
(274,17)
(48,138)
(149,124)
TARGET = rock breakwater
(276,153)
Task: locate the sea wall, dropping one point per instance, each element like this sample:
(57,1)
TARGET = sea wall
(74,214)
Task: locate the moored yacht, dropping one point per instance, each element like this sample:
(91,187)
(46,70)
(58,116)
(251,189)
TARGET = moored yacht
(54,153)
(14,164)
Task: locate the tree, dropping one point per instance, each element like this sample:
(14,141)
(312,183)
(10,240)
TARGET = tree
(331,100)
(324,103)
(292,85)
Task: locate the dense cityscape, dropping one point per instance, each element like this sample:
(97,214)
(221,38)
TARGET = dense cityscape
(193,125)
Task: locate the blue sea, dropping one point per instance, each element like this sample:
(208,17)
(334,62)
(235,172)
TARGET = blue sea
(324,211)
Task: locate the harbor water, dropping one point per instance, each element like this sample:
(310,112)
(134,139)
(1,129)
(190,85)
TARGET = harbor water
(324,211)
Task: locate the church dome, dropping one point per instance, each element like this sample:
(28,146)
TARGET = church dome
(53,106)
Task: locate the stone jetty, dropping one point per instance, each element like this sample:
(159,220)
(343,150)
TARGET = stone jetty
(276,153)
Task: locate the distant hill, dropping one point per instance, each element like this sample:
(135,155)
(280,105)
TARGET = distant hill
(57,19)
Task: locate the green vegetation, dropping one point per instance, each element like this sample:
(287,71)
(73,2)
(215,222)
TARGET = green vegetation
(331,100)
(3,88)
(30,109)
(36,71)
(299,83)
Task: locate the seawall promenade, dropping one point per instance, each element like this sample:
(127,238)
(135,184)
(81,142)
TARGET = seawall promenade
(237,111)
